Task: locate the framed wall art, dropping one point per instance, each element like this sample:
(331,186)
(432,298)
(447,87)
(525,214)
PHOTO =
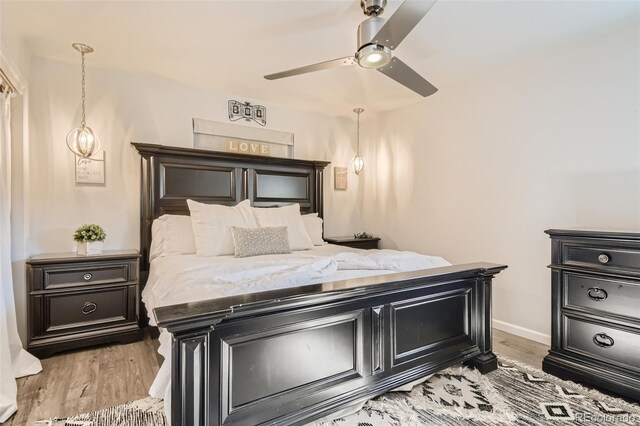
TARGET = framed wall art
(340,178)
(90,170)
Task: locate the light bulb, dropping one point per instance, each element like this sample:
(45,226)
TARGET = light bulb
(83,142)
(358,164)
(374,58)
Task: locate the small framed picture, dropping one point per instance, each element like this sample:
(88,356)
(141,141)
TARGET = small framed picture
(90,170)
(340,181)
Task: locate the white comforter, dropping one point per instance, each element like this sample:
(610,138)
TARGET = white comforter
(188,278)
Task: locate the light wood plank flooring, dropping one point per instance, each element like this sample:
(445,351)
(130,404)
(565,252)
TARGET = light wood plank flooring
(96,378)
(519,348)
(86,380)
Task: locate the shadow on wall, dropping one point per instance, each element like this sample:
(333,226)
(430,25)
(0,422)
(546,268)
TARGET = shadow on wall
(392,185)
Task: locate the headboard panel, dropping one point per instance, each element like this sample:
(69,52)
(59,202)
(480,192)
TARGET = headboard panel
(171,175)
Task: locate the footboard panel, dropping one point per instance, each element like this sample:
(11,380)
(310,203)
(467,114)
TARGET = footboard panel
(422,326)
(289,360)
(284,363)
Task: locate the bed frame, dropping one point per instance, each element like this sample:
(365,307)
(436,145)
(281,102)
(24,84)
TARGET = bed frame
(287,357)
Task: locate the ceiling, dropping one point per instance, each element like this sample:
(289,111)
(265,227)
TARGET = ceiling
(229,45)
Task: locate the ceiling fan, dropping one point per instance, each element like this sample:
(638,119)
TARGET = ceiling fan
(377,38)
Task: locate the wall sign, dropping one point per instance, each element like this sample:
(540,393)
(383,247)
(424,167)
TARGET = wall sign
(90,170)
(248,147)
(340,176)
(239,110)
(229,137)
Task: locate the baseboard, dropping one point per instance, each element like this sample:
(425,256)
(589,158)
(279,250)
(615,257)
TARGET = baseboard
(536,336)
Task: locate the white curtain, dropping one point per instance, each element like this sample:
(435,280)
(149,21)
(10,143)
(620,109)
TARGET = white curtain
(14,360)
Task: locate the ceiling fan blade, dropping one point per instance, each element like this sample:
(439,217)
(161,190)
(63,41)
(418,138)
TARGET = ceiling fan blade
(403,74)
(402,22)
(336,63)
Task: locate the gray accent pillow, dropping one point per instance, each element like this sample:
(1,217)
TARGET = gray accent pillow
(259,241)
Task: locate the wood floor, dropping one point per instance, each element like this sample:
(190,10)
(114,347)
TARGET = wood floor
(80,381)
(96,378)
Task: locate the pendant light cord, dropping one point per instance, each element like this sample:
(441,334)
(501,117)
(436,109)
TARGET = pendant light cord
(83,93)
(358,136)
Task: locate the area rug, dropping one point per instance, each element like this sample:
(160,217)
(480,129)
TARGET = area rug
(514,394)
(143,412)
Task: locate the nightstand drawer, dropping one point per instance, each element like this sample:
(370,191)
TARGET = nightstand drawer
(86,309)
(608,295)
(601,256)
(603,343)
(82,274)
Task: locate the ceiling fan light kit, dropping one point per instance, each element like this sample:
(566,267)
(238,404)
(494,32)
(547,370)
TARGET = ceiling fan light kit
(373,56)
(377,38)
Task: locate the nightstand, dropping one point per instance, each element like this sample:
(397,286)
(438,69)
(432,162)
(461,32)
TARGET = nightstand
(76,301)
(361,243)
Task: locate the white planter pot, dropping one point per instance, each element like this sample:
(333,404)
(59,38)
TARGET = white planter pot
(90,248)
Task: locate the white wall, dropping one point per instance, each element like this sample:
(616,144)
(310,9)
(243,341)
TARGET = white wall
(479,171)
(122,108)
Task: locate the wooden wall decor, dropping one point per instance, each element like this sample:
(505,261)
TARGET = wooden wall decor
(230,137)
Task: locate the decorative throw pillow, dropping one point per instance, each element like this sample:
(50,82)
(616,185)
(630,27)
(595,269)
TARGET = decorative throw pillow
(212,226)
(290,217)
(259,241)
(313,224)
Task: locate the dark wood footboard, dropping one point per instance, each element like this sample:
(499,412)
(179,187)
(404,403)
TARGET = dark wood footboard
(289,356)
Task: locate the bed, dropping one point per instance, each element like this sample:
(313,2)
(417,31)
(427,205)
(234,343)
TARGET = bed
(291,353)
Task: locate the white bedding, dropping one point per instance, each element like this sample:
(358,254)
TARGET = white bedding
(189,278)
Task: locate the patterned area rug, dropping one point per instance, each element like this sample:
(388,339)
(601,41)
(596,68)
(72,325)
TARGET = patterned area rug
(515,394)
(144,412)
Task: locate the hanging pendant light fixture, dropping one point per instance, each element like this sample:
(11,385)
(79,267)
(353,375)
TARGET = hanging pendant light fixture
(358,162)
(82,141)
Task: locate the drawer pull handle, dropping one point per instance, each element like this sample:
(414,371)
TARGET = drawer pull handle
(89,307)
(87,276)
(597,294)
(604,258)
(603,340)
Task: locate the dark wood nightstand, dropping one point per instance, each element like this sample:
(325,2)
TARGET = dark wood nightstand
(76,301)
(361,243)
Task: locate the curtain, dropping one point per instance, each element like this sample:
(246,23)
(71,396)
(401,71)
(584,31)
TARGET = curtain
(14,360)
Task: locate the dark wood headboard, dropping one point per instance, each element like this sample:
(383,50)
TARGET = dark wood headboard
(171,175)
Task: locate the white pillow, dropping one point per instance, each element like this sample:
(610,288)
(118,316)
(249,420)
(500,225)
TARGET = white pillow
(212,226)
(290,217)
(313,224)
(171,234)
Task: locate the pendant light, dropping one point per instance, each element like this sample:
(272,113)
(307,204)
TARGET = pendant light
(82,141)
(358,162)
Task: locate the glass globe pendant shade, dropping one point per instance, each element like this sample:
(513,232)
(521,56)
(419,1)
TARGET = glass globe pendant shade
(358,164)
(83,141)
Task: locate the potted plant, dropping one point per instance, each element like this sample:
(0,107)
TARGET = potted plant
(89,239)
